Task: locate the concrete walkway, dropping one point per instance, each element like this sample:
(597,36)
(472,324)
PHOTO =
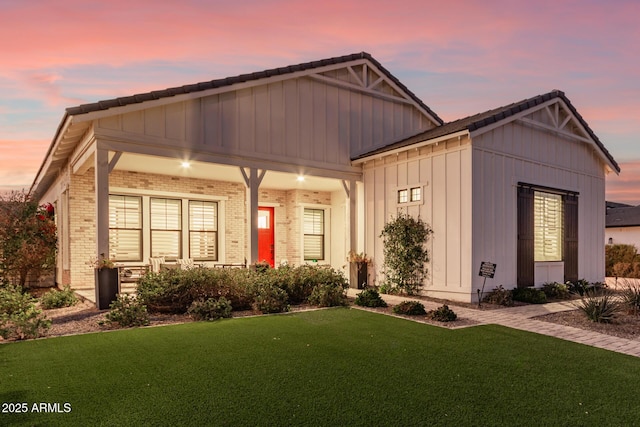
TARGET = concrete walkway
(523,318)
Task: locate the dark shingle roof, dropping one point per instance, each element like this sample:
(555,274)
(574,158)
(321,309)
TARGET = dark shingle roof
(213,84)
(487,118)
(623,217)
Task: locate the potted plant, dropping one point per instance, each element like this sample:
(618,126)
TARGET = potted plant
(358,269)
(107,281)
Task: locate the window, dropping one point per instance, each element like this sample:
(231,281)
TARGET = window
(547,214)
(203,230)
(313,234)
(415,194)
(166,228)
(403,196)
(125,228)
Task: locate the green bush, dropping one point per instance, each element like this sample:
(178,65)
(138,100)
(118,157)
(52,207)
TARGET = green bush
(529,295)
(328,295)
(404,240)
(582,286)
(270,299)
(127,310)
(210,309)
(370,298)
(499,296)
(621,260)
(555,290)
(599,307)
(19,317)
(173,291)
(630,297)
(442,314)
(410,308)
(59,299)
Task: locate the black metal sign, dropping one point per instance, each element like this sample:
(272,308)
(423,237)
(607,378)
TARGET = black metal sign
(487,269)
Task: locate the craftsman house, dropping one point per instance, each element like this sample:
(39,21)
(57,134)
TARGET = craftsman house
(302,164)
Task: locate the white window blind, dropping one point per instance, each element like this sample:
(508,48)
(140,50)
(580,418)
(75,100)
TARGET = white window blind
(547,212)
(166,228)
(203,230)
(313,234)
(125,228)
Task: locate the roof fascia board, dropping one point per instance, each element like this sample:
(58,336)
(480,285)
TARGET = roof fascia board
(415,145)
(521,116)
(94,115)
(48,158)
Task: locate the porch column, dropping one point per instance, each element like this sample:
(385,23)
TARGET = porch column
(101,168)
(353,217)
(252,179)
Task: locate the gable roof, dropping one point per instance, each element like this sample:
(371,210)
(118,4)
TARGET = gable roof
(478,121)
(628,216)
(218,83)
(70,130)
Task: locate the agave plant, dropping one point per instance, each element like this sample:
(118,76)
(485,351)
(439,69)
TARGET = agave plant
(630,296)
(600,307)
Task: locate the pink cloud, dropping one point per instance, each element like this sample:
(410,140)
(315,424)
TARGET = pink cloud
(625,188)
(19,167)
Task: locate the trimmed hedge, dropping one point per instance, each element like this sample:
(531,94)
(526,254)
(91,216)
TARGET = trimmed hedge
(173,291)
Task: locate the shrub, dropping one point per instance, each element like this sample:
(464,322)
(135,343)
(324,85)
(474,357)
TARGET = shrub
(210,309)
(58,299)
(630,297)
(128,311)
(620,260)
(556,290)
(499,296)
(442,314)
(270,299)
(328,295)
(599,307)
(529,295)
(370,298)
(19,317)
(410,308)
(582,286)
(404,241)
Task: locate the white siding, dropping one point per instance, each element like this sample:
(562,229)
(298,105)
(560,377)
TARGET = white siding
(443,173)
(516,153)
(301,121)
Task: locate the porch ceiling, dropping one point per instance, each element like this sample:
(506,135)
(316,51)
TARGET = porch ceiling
(218,172)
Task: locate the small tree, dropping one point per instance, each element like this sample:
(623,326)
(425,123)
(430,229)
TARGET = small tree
(27,238)
(405,253)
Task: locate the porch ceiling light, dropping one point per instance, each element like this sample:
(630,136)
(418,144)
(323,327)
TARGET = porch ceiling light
(185,164)
(300,178)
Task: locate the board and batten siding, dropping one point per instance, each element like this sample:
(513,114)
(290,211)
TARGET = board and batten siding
(515,153)
(443,172)
(298,121)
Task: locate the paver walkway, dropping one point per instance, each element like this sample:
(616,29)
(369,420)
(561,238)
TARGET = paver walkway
(523,318)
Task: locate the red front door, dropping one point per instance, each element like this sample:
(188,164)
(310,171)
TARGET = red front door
(266,242)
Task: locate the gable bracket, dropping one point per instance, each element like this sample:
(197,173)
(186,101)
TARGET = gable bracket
(367,90)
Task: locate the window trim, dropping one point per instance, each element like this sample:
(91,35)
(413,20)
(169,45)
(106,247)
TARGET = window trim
(185,197)
(327,232)
(408,195)
(140,229)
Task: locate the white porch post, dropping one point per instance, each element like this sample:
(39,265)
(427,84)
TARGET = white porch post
(102,200)
(252,180)
(353,216)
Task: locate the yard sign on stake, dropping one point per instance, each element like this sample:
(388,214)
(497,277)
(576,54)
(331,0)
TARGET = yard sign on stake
(487,269)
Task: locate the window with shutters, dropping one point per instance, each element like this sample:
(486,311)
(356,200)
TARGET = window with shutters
(314,230)
(125,228)
(166,228)
(203,230)
(548,225)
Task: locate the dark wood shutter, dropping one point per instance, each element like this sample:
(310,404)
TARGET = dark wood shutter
(570,246)
(525,251)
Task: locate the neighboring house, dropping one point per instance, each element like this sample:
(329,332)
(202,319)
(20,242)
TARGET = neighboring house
(304,163)
(622,224)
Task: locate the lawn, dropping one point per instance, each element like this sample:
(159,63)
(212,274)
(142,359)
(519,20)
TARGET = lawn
(329,367)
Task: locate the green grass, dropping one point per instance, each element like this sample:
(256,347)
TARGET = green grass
(329,367)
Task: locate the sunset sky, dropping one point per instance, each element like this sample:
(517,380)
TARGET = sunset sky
(459,57)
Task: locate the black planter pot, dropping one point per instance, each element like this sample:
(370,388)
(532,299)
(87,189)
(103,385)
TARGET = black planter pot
(107,286)
(358,277)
